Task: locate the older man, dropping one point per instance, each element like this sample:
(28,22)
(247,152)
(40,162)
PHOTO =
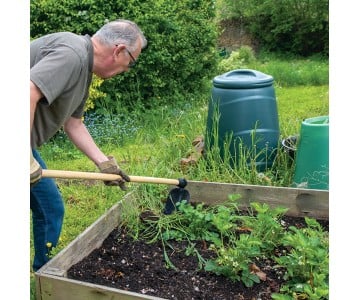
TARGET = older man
(61,69)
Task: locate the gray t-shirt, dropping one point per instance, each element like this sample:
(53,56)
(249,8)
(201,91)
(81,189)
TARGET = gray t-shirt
(61,67)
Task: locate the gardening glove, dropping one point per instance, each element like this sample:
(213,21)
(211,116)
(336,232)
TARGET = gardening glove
(35,170)
(111,167)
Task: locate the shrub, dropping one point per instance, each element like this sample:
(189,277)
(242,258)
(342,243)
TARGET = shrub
(296,26)
(181,56)
(239,59)
(94,93)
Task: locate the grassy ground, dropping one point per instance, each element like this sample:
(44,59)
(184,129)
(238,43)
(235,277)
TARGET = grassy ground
(160,140)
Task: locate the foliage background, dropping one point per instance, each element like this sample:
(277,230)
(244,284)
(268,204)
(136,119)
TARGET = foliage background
(298,27)
(182,55)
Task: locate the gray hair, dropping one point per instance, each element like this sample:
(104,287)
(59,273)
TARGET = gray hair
(121,32)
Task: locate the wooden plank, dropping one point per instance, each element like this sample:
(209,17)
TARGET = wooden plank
(60,288)
(300,202)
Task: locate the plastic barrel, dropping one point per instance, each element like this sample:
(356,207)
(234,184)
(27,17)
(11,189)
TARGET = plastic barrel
(243,118)
(312,155)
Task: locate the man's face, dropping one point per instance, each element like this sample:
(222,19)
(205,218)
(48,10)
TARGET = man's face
(124,59)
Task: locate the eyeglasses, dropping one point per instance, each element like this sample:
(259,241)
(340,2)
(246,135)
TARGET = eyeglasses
(133,60)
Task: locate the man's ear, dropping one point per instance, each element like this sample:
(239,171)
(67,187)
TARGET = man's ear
(118,49)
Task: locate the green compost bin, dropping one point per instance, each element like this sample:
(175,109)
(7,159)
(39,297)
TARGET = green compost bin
(243,118)
(312,154)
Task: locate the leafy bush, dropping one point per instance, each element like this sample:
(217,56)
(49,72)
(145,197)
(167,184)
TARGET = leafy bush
(239,59)
(94,93)
(181,56)
(295,26)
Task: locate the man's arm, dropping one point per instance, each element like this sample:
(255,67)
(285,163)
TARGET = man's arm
(80,136)
(35,168)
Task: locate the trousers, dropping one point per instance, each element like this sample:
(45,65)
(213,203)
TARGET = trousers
(47,208)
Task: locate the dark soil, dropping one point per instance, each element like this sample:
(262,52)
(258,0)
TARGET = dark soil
(139,267)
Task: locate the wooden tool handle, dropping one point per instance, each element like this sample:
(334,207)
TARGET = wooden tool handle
(104,177)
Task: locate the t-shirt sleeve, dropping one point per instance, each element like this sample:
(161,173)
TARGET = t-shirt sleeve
(56,72)
(79,112)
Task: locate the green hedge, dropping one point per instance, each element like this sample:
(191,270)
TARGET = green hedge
(299,27)
(181,57)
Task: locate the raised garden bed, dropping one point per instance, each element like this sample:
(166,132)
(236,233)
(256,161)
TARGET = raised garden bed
(53,282)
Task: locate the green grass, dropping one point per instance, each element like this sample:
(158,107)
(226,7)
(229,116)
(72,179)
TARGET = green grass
(298,103)
(287,72)
(157,143)
(312,71)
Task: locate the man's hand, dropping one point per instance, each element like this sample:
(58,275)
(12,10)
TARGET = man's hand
(35,170)
(111,167)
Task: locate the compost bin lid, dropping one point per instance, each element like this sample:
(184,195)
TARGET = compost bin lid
(242,79)
(317,121)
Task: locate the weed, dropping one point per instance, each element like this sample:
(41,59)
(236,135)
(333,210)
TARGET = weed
(241,158)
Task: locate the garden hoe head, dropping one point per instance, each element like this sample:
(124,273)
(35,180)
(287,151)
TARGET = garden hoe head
(175,196)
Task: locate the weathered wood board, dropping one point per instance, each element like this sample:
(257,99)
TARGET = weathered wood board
(52,282)
(300,202)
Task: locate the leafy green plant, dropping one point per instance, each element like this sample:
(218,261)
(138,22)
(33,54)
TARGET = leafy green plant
(264,224)
(216,223)
(238,59)
(234,259)
(197,217)
(306,263)
(94,93)
(238,240)
(191,250)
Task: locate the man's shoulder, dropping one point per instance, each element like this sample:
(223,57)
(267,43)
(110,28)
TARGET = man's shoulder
(59,38)
(65,42)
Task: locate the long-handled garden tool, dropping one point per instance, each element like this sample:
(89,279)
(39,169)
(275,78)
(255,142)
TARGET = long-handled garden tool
(175,195)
